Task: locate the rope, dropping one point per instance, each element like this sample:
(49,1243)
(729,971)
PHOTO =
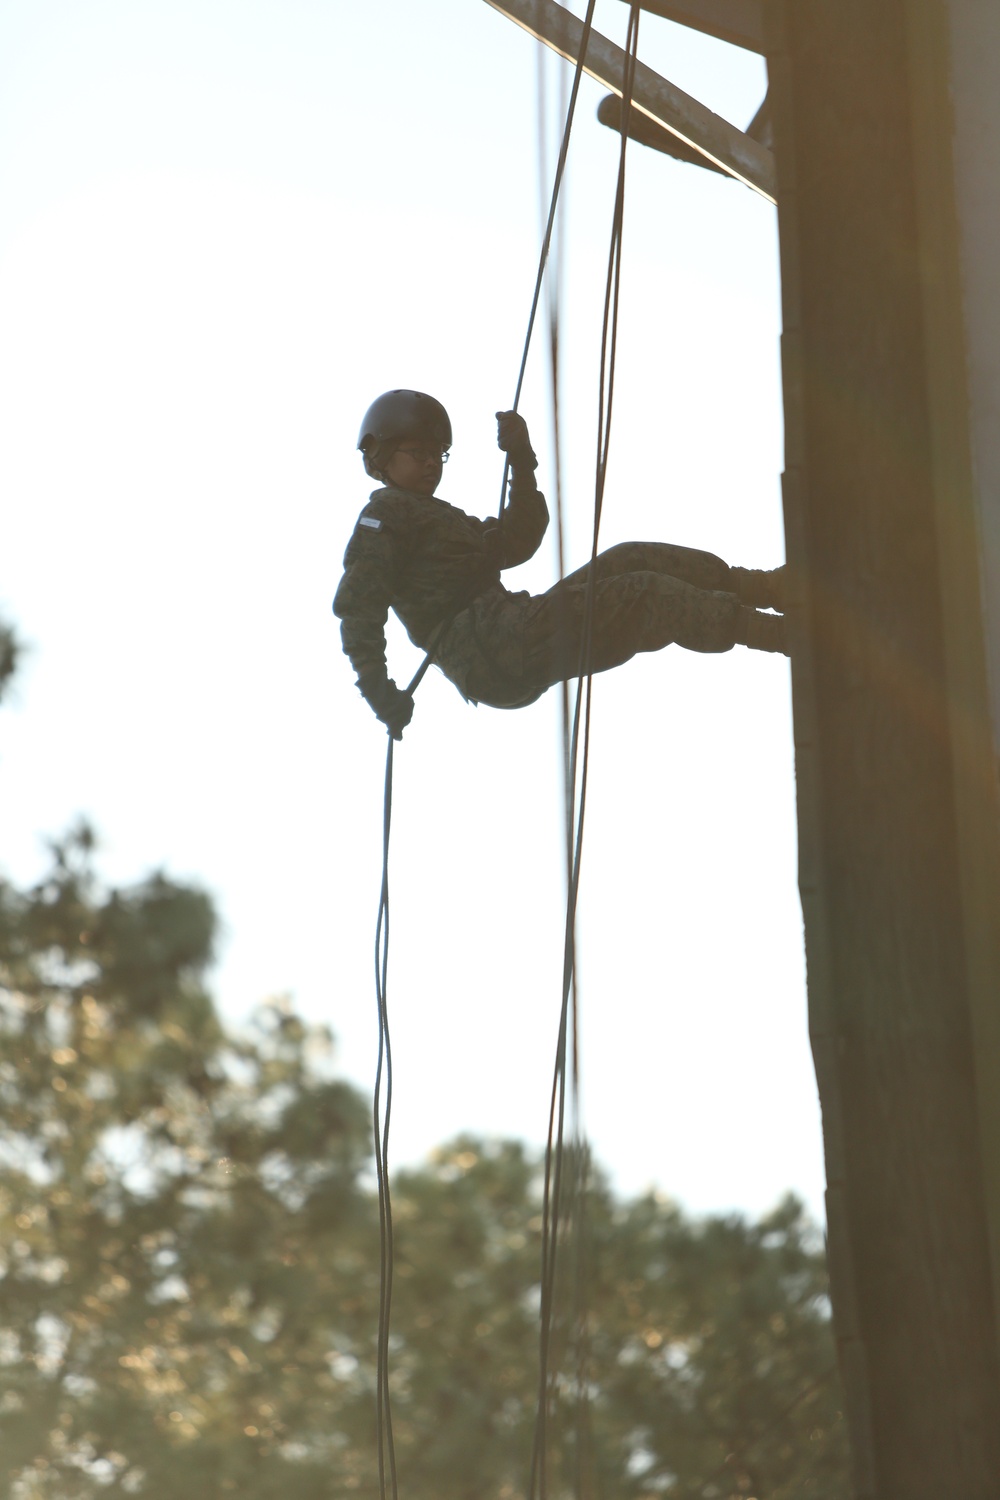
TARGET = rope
(383,1409)
(554,1165)
(381,1115)
(588,26)
(555,1146)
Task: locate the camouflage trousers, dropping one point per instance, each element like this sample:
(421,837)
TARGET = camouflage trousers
(647,595)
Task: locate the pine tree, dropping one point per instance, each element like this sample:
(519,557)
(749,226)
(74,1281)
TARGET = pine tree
(188,1275)
(189,1272)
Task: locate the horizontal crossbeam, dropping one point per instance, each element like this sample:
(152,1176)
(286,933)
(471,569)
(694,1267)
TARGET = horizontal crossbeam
(729,148)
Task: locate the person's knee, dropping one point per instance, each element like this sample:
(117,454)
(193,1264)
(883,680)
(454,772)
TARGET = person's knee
(624,557)
(702,570)
(695,618)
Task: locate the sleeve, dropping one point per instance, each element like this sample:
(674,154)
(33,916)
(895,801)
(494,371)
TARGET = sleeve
(364,595)
(523,523)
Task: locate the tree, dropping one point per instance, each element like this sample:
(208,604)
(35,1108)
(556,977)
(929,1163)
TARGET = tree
(188,1274)
(708,1357)
(189,1284)
(10,651)
(718,1341)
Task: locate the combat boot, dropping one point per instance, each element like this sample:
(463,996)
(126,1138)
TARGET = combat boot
(761,632)
(761,588)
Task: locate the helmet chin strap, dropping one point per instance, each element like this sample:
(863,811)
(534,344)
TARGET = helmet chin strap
(372,471)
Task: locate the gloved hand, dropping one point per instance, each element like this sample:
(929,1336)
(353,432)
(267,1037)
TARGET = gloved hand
(512,437)
(390,703)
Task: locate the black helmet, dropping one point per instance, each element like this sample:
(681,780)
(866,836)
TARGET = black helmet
(402,414)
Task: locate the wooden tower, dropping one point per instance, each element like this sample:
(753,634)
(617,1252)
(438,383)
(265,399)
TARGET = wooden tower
(880,142)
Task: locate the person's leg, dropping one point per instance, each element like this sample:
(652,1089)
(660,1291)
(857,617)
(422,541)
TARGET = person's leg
(702,569)
(636,611)
(761,588)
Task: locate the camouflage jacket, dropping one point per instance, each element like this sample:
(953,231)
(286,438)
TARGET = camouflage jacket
(426,559)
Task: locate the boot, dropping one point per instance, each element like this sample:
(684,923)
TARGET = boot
(761,588)
(761,632)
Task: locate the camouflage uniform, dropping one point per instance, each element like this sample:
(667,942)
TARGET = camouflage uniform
(429,561)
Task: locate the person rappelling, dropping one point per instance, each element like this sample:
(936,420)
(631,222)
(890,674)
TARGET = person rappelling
(439,570)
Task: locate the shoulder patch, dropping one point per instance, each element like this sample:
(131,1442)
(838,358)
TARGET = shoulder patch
(371,522)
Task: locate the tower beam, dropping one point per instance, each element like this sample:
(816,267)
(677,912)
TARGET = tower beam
(663,102)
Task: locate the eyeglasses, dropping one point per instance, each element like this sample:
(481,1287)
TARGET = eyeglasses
(424,453)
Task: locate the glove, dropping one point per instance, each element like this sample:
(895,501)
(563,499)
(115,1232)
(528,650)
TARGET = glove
(389,703)
(512,437)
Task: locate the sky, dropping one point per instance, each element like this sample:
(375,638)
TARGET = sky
(225,226)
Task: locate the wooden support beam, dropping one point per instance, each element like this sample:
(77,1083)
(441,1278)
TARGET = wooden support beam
(740,22)
(642,129)
(665,104)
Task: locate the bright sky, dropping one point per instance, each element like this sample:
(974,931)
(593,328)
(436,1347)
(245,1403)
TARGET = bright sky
(225,226)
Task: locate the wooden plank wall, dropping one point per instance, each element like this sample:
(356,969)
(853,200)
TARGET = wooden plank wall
(892,893)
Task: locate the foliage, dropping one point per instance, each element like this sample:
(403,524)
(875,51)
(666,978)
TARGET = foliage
(10,653)
(707,1362)
(189,1288)
(188,1242)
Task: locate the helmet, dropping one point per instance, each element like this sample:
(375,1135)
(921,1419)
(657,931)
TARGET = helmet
(402,414)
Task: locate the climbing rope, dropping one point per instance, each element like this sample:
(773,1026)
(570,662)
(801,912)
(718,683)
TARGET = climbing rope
(382,1110)
(382,1104)
(543,258)
(381,1116)
(552,1204)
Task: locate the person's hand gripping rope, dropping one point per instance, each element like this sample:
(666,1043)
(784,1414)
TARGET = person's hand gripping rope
(391,704)
(513,439)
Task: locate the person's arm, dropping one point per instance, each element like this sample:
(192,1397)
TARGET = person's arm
(362,605)
(525,516)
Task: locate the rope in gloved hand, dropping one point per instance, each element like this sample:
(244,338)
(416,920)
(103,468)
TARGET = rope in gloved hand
(578,766)
(382,1104)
